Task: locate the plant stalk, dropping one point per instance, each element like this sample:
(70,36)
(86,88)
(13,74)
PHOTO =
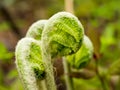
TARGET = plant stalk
(68,79)
(69,7)
(42,85)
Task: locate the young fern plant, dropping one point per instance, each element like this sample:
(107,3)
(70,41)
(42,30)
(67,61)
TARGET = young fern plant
(77,61)
(29,63)
(60,36)
(83,56)
(29,58)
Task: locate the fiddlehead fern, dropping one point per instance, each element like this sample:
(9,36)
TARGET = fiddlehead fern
(35,30)
(29,63)
(83,55)
(62,35)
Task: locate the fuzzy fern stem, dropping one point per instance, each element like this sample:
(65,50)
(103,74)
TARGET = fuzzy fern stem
(50,82)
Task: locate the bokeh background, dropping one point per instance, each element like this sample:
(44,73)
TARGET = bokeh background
(101,21)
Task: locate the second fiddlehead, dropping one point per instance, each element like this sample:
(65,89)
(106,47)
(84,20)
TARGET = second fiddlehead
(62,35)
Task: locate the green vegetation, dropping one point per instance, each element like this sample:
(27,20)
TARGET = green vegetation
(100,19)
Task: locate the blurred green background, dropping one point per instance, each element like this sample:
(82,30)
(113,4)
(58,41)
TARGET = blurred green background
(101,21)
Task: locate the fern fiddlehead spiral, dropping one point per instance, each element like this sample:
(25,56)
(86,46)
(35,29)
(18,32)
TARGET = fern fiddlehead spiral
(29,63)
(28,58)
(82,57)
(62,35)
